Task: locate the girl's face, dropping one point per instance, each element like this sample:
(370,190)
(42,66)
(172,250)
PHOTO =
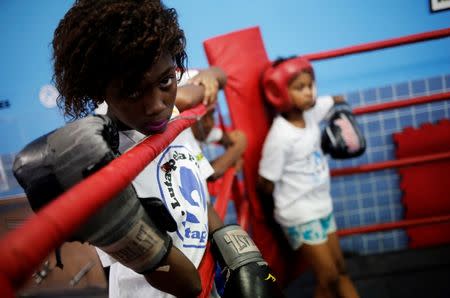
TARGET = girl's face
(301,91)
(149,109)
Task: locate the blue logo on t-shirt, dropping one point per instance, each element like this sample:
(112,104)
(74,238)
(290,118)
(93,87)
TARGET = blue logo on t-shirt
(190,187)
(184,194)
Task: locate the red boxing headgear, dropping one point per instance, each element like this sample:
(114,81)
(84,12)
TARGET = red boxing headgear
(276,80)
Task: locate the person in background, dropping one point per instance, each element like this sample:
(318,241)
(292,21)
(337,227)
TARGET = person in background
(294,171)
(234,143)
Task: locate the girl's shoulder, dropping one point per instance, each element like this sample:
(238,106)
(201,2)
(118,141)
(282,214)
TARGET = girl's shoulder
(281,133)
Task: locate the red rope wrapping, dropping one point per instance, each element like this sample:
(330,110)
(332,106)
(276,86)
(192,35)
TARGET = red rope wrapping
(206,271)
(244,214)
(377,45)
(225,193)
(207,265)
(61,218)
(240,203)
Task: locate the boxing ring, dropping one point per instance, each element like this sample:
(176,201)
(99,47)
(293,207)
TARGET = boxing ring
(243,57)
(55,223)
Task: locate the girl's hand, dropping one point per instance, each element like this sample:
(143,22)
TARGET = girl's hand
(207,79)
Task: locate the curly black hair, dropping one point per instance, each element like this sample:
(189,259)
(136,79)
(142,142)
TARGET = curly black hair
(99,41)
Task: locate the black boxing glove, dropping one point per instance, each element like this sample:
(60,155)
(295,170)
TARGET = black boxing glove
(246,272)
(342,138)
(58,160)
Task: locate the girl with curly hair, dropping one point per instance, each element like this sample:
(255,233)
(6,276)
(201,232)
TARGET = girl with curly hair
(126,53)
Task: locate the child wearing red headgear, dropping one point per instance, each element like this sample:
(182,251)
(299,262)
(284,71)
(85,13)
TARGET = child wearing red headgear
(294,170)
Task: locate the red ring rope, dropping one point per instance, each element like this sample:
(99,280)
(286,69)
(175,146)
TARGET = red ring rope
(401,224)
(401,103)
(377,45)
(404,162)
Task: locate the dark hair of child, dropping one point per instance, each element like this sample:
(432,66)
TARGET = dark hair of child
(88,57)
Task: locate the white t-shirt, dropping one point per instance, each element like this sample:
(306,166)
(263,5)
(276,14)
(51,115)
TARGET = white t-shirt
(293,160)
(184,191)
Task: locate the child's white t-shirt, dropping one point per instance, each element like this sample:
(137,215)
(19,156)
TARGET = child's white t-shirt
(184,192)
(293,160)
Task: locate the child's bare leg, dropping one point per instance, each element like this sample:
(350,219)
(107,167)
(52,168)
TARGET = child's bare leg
(346,287)
(324,267)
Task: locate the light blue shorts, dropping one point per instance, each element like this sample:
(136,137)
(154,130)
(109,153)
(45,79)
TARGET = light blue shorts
(313,232)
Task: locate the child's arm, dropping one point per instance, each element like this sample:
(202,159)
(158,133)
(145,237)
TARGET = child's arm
(235,143)
(202,88)
(181,278)
(188,96)
(214,221)
(323,105)
(264,186)
(265,189)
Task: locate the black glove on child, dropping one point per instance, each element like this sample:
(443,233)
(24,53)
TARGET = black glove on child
(246,272)
(342,137)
